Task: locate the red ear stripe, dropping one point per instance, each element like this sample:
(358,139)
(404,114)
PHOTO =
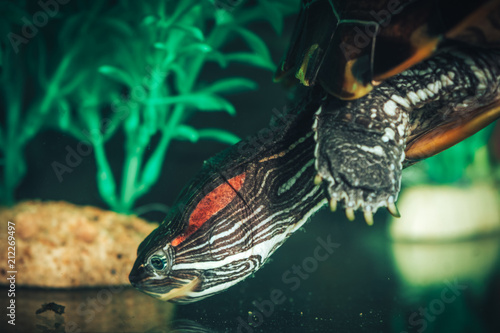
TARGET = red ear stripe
(210,205)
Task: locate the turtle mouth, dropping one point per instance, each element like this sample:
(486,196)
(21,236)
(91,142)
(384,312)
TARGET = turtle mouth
(178,294)
(166,288)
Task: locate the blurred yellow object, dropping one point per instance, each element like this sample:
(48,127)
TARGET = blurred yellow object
(424,264)
(434,213)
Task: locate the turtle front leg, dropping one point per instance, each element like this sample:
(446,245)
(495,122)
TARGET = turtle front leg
(359,152)
(361,144)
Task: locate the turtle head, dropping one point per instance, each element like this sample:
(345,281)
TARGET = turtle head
(238,210)
(189,256)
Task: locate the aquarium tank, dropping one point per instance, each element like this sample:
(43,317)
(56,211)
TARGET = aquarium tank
(113,115)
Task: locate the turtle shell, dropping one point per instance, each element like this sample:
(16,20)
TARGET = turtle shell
(347,46)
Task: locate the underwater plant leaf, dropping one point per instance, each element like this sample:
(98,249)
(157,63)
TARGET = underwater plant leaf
(205,102)
(196,48)
(117,74)
(182,11)
(118,26)
(273,15)
(180,76)
(255,43)
(219,35)
(106,185)
(161,46)
(64,117)
(223,17)
(191,48)
(149,20)
(219,135)
(272,11)
(201,101)
(40,66)
(218,57)
(74,27)
(152,169)
(250,59)
(193,31)
(230,85)
(70,86)
(186,132)
(132,121)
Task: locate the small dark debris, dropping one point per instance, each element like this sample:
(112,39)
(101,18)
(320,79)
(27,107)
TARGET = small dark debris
(94,218)
(119,255)
(113,271)
(59,309)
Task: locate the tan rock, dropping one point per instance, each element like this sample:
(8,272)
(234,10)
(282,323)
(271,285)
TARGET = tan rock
(62,245)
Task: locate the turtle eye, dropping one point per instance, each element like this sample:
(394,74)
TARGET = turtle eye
(159,263)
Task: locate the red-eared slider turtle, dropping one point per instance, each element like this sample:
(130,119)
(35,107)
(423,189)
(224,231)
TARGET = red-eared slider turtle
(247,200)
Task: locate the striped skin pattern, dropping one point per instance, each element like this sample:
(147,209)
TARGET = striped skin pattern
(276,198)
(248,200)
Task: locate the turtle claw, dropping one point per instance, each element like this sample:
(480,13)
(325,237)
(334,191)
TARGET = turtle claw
(318,180)
(333,205)
(368,216)
(349,212)
(392,208)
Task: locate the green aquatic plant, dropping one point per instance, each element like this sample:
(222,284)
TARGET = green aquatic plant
(134,68)
(19,122)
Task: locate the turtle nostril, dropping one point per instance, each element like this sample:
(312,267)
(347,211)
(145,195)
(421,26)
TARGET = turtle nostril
(137,275)
(132,278)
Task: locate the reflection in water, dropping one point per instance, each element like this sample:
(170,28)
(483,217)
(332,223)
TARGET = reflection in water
(442,285)
(181,326)
(189,326)
(107,309)
(424,264)
(368,284)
